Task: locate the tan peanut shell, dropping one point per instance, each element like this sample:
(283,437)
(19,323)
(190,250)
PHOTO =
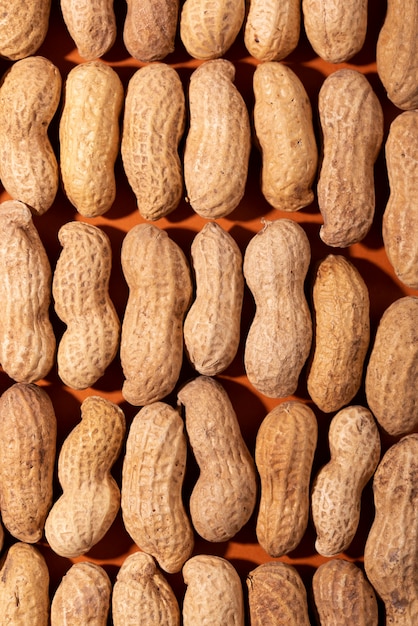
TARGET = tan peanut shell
(278,342)
(214,592)
(90,497)
(213,322)
(153,125)
(30,92)
(400,218)
(272,28)
(24,587)
(142,591)
(89,136)
(284,130)
(341,307)
(277,596)
(160,290)
(92,26)
(28,430)
(27,340)
(150,28)
(351,120)
(335,30)
(390,553)
(82,597)
(284,454)
(154,467)
(208,28)
(80,289)
(354,444)
(223,497)
(343,595)
(390,381)
(396,51)
(218,141)
(23,28)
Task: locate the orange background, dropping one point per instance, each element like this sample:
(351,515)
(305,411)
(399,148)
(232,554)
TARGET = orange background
(182,225)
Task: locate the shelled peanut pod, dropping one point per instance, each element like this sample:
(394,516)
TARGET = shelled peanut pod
(150,28)
(272,29)
(92,26)
(23,28)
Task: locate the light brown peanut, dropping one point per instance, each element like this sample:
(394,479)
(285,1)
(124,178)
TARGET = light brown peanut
(223,497)
(208,28)
(24,587)
(214,592)
(30,92)
(351,119)
(285,134)
(278,342)
(400,218)
(390,383)
(272,29)
(343,595)
(218,142)
(150,28)
(82,597)
(284,454)
(354,444)
(80,289)
(341,307)
(92,26)
(390,553)
(335,30)
(142,590)
(277,596)
(28,431)
(89,136)
(153,125)
(90,497)
(160,291)
(27,340)
(23,28)
(213,322)
(152,481)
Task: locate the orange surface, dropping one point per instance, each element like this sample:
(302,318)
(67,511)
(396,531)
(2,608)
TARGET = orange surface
(182,225)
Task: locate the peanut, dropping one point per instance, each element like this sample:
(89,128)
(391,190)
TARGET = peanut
(24,587)
(28,431)
(335,30)
(284,453)
(90,496)
(152,480)
(354,444)
(278,342)
(142,590)
(208,28)
(272,29)
(390,381)
(153,125)
(30,92)
(277,596)
(80,289)
(212,324)
(214,592)
(27,340)
(390,553)
(223,497)
(400,218)
(150,28)
(343,595)
(82,597)
(160,291)
(396,51)
(351,119)
(92,26)
(218,142)
(23,28)
(284,130)
(341,333)
(89,136)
